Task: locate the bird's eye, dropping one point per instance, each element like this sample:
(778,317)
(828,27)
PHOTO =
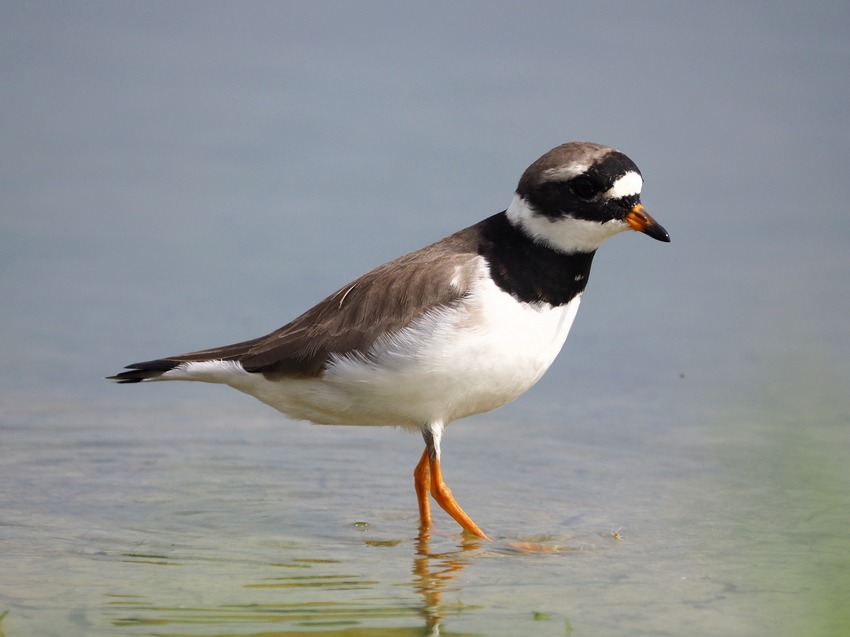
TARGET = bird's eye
(584,187)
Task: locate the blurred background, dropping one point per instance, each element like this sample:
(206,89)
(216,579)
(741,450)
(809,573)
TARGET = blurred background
(176,176)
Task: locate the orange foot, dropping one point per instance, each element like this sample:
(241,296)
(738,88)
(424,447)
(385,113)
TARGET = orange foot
(429,479)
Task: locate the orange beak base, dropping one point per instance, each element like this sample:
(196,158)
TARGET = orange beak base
(639,219)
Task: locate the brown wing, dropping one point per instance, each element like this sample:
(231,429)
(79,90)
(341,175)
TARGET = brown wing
(350,320)
(382,301)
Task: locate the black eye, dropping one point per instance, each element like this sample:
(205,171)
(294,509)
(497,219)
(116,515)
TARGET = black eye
(584,187)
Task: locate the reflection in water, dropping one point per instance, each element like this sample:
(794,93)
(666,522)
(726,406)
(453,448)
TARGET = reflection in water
(432,573)
(324,597)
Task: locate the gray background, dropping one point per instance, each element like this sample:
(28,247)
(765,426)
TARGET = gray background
(182,175)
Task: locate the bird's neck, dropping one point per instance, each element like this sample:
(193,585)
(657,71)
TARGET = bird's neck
(531,271)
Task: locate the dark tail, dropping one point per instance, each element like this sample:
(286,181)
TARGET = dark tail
(148,370)
(144,371)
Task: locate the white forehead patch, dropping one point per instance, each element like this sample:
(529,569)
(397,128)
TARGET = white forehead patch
(628,185)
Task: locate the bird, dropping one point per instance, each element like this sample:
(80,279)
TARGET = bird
(457,328)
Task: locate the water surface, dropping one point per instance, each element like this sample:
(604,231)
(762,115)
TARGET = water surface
(234,521)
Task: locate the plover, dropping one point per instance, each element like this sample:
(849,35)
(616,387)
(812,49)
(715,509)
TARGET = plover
(457,328)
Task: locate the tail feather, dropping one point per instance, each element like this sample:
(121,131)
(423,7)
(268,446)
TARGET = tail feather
(148,370)
(151,370)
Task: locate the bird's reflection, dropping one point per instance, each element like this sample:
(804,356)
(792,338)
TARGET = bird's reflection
(432,573)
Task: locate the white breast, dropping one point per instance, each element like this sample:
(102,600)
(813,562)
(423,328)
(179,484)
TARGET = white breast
(448,364)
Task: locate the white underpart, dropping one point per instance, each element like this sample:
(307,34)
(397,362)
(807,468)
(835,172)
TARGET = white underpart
(628,185)
(450,363)
(566,234)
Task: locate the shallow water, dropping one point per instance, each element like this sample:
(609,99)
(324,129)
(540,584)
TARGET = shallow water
(186,520)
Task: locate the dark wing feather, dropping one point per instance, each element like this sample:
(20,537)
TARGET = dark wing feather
(382,301)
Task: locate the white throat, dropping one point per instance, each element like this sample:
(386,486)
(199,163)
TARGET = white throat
(565,234)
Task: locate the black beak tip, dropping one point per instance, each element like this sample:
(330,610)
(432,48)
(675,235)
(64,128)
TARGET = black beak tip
(657,231)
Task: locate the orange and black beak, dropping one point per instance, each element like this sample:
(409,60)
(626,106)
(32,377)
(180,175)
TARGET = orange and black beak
(639,219)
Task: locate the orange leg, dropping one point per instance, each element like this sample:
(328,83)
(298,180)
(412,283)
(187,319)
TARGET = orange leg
(422,482)
(429,479)
(443,496)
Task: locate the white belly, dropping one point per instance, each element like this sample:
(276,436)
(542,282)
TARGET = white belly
(445,366)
